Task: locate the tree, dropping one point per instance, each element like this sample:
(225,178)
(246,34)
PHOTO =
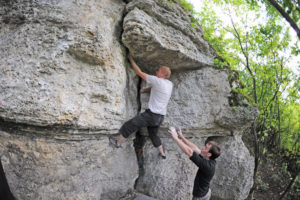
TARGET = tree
(286,15)
(289,9)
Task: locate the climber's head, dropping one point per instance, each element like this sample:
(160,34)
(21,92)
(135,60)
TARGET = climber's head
(211,150)
(163,72)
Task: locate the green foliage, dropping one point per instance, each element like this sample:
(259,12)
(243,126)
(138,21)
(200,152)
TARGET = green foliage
(291,7)
(219,63)
(295,51)
(291,126)
(295,194)
(188,7)
(262,185)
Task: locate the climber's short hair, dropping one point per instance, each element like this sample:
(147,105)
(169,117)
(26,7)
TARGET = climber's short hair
(166,70)
(215,150)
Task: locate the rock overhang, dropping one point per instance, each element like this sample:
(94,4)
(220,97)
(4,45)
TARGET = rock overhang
(155,36)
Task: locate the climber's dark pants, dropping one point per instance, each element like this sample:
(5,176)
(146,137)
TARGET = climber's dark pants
(146,119)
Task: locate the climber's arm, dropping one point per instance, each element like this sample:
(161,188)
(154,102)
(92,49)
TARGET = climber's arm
(146,90)
(137,69)
(185,148)
(189,143)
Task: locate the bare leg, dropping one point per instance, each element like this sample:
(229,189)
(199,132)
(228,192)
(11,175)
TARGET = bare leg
(161,151)
(121,140)
(152,130)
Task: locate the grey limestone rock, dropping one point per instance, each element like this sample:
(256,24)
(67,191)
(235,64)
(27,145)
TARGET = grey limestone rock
(63,87)
(47,168)
(158,33)
(62,64)
(170,178)
(144,197)
(238,164)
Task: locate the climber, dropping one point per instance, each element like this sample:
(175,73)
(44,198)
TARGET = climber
(160,93)
(204,159)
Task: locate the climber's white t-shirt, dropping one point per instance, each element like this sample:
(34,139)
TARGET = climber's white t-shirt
(161,90)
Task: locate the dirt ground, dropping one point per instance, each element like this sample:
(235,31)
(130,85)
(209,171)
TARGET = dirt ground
(272,181)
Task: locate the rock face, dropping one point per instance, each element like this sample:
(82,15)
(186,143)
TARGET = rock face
(43,168)
(158,33)
(168,179)
(66,85)
(64,79)
(65,56)
(237,162)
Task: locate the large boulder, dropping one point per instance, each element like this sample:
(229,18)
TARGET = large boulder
(159,33)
